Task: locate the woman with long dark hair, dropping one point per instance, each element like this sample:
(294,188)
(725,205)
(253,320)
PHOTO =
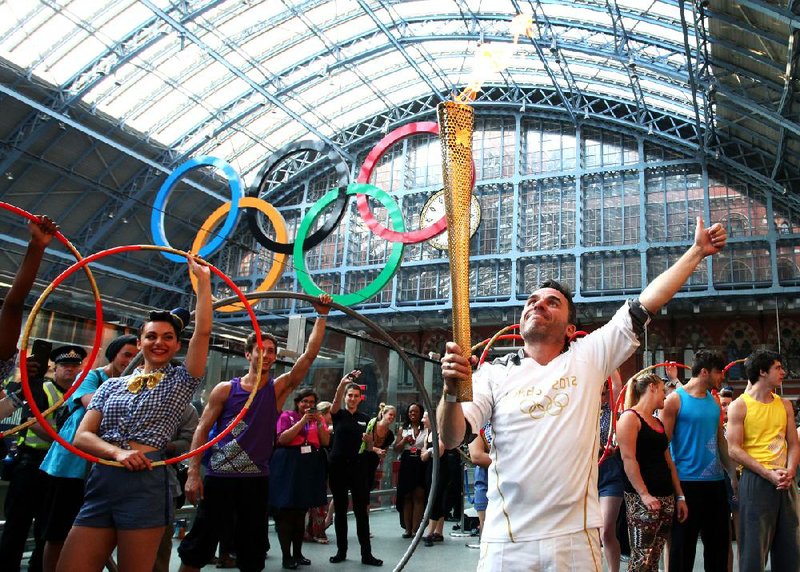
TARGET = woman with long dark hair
(298,471)
(348,469)
(652,486)
(409,443)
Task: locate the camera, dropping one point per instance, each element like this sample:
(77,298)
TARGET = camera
(312,409)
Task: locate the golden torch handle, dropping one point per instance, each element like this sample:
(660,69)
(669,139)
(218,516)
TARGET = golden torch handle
(455,132)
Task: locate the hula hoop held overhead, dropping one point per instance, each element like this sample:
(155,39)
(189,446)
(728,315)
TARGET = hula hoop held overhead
(39,416)
(24,341)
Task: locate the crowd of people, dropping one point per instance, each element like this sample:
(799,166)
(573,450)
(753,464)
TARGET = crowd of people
(694,463)
(84,511)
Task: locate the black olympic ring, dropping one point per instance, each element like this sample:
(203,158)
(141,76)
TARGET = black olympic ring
(330,223)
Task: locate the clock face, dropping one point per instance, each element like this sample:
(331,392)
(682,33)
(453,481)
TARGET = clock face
(434,209)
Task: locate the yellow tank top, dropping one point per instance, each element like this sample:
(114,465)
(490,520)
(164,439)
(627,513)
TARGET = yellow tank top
(765,431)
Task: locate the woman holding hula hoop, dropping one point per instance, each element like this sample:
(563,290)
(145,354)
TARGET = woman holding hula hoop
(130,420)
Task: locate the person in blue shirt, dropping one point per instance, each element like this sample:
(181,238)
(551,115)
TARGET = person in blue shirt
(66,471)
(693,421)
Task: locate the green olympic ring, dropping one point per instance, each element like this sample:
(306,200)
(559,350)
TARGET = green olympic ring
(392,263)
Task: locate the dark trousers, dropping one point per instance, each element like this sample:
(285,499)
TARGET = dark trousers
(223,497)
(768,525)
(24,504)
(709,515)
(350,475)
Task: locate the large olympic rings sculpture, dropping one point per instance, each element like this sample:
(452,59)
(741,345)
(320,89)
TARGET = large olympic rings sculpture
(209,239)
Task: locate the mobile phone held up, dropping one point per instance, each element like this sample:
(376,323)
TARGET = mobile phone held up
(40,354)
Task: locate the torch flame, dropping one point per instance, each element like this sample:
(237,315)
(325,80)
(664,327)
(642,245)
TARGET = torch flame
(490,59)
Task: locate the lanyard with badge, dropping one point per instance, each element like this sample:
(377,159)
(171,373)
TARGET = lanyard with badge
(306,446)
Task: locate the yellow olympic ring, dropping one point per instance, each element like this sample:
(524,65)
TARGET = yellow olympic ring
(278,262)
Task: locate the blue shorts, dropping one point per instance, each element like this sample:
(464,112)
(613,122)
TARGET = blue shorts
(481,486)
(611,477)
(126,500)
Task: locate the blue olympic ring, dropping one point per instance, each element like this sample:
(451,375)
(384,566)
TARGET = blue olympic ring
(157,217)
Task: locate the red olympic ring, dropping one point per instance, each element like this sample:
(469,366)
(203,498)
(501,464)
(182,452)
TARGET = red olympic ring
(409,237)
(26,388)
(98,318)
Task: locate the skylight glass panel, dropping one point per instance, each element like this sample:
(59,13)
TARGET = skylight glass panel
(226,93)
(349,28)
(127,16)
(168,57)
(82,48)
(343,118)
(176,127)
(572,12)
(668,90)
(419,8)
(291,56)
(15,17)
(408,93)
(133,95)
(288,133)
(674,36)
(201,76)
(618,92)
(37,43)
(375,66)
(325,12)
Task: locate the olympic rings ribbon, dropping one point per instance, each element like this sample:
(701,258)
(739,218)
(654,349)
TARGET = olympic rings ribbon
(392,263)
(26,388)
(98,306)
(157,216)
(364,175)
(279,261)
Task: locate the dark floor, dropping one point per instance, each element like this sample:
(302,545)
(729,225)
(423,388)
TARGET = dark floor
(388,545)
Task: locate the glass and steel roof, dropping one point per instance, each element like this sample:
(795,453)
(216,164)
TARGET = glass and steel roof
(148,83)
(242,78)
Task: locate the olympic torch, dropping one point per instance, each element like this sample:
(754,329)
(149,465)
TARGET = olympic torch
(456,122)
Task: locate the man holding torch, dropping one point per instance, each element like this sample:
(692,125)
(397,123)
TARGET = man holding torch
(544,405)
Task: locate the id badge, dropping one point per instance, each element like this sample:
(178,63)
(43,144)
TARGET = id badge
(305,449)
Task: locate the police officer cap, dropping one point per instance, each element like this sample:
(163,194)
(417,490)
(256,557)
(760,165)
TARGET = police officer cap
(68,354)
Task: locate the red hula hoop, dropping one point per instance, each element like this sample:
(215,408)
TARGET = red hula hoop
(98,308)
(66,274)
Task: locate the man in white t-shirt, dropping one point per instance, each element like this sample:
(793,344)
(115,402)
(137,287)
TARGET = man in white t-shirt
(544,406)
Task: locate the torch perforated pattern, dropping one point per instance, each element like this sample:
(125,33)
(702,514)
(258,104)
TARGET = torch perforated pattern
(455,132)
